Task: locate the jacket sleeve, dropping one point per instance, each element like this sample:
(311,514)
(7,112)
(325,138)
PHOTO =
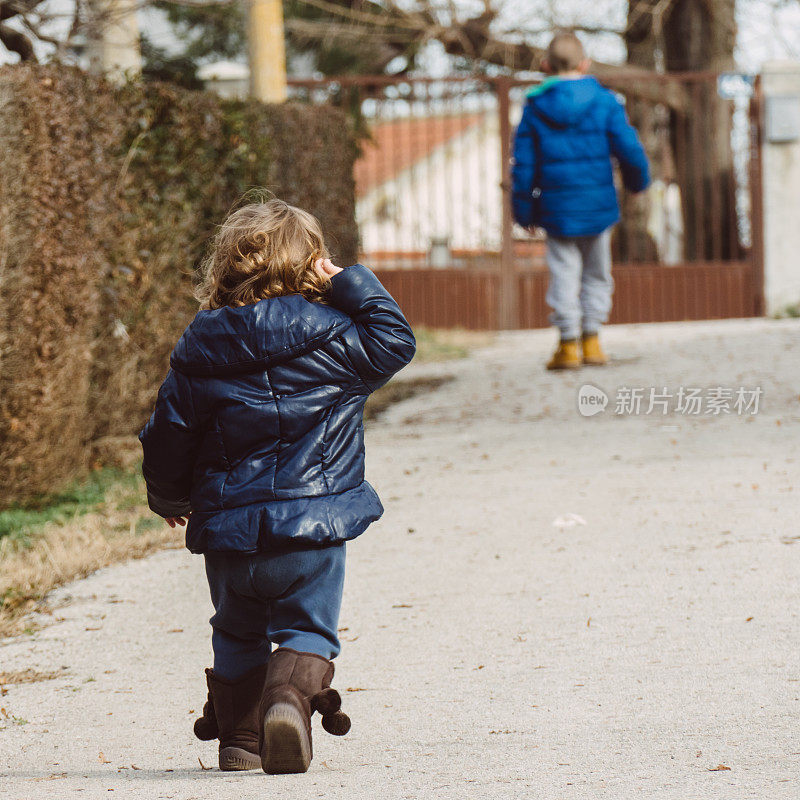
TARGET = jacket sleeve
(523,171)
(627,149)
(170,441)
(383,342)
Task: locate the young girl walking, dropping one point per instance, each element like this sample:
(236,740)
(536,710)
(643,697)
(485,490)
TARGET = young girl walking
(257,442)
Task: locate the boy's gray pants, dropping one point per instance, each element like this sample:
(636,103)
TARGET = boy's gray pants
(580,282)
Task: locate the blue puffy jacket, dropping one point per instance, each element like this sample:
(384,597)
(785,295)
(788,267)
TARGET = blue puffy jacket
(258,426)
(562,178)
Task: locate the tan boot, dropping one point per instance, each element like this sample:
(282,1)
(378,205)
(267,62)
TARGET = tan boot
(298,684)
(567,356)
(593,354)
(231,714)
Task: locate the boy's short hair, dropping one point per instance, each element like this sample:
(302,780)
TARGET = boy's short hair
(565,52)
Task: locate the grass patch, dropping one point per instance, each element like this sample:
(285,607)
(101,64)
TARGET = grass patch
(70,534)
(90,494)
(445,345)
(788,312)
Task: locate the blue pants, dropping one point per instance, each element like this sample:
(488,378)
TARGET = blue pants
(290,599)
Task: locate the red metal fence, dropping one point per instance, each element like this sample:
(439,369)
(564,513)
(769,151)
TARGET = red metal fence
(434,210)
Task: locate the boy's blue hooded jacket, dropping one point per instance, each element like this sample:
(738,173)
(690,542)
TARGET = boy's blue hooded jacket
(562,177)
(258,426)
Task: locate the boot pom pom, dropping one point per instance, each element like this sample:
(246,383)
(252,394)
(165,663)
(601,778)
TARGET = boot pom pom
(337,723)
(206,729)
(328,701)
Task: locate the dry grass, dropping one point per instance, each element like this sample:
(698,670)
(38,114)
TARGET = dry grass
(61,551)
(399,390)
(104,519)
(26,676)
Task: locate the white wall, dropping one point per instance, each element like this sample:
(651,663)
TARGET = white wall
(781,185)
(453,193)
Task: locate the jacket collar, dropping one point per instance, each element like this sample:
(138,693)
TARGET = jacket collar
(231,341)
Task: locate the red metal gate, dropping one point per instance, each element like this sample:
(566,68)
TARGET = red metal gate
(434,211)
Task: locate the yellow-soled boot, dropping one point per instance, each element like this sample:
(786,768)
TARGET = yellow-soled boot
(593,354)
(567,356)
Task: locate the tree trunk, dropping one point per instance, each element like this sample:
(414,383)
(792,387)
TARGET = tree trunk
(693,146)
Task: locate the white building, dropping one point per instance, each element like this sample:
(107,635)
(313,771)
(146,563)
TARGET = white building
(432,181)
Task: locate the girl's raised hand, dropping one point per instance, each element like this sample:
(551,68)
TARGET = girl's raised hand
(326,269)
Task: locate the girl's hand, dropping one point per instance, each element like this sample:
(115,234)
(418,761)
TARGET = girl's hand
(173,521)
(325,268)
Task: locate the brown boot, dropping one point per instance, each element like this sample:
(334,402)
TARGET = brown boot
(298,684)
(205,727)
(231,714)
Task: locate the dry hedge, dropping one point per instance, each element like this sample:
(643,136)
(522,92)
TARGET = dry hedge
(107,199)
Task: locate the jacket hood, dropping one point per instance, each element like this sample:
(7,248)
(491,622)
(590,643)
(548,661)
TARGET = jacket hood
(562,102)
(228,341)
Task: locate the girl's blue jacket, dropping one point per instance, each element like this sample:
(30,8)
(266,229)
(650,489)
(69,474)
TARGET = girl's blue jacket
(258,427)
(562,177)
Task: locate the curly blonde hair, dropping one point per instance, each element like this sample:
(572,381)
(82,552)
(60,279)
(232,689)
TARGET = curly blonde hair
(263,250)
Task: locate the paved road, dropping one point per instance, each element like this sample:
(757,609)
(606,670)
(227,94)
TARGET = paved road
(489,653)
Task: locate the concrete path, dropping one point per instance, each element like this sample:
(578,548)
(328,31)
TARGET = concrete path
(652,652)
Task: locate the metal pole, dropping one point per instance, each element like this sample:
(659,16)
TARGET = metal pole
(508,311)
(267,50)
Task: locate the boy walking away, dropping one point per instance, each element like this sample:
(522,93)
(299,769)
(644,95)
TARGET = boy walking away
(562,181)
(257,440)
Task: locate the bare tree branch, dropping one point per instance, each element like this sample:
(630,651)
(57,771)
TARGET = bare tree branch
(17,42)
(14,7)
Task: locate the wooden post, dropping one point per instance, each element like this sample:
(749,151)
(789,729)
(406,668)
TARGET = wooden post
(267,50)
(757,201)
(508,312)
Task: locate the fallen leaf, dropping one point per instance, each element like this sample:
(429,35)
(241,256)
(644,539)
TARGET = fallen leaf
(202,765)
(102,759)
(55,776)
(402,605)
(719,768)
(748,619)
